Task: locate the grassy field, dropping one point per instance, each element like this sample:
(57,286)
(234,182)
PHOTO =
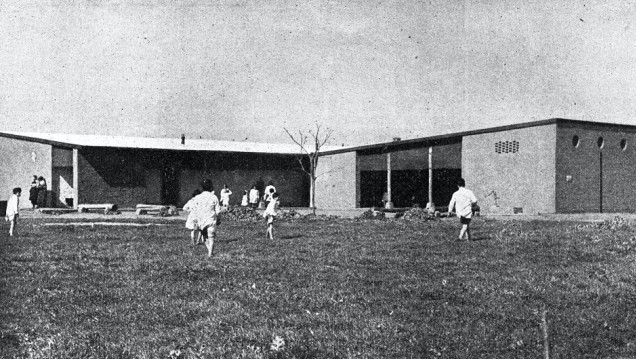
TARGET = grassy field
(323,289)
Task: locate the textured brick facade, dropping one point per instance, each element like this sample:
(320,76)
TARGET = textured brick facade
(336,187)
(583,183)
(512,171)
(21,160)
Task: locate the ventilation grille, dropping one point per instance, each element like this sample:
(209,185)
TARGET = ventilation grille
(507,147)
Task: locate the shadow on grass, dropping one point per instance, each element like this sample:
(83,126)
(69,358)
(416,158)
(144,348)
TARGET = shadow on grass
(479,238)
(291,236)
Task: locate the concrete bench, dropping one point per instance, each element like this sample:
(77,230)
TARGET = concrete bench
(103,207)
(156,209)
(56,210)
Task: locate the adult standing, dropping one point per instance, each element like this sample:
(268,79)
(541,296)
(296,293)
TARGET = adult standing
(33,192)
(42,192)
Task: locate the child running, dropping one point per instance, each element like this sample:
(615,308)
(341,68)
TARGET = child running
(269,214)
(13,210)
(463,200)
(192,223)
(207,209)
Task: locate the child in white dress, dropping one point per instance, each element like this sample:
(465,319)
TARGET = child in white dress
(269,214)
(192,223)
(225,196)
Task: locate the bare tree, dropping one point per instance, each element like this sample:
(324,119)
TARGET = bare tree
(310,143)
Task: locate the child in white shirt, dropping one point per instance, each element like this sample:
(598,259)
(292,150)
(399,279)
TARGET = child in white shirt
(225,196)
(254,197)
(13,209)
(270,214)
(463,200)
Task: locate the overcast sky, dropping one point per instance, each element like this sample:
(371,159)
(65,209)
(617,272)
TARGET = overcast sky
(369,69)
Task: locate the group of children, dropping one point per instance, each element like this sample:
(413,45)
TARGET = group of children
(251,198)
(204,208)
(462,201)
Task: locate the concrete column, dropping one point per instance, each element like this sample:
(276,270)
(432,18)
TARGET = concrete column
(430,205)
(75,178)
(389,203)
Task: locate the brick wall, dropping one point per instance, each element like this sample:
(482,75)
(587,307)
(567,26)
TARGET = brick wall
(578,179)
(19,164)
(95,185)
(516,165)
(336,187)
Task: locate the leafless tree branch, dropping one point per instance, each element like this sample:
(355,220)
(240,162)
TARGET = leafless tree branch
(317,143)
(331,170)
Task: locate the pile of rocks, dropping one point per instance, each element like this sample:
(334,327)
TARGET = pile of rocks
(372,213)
(249,214)
(240,214)
(289,214)
(418,214)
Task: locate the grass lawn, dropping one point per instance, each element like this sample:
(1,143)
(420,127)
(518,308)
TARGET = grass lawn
(322,289)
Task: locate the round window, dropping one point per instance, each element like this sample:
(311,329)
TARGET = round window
(600,142)
(623,144)
(576,141)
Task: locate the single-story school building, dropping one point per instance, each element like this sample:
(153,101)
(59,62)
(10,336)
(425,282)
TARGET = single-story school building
(87,169)
(550,166)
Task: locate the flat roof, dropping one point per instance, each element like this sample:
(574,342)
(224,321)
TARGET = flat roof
(457,136)
(150,143)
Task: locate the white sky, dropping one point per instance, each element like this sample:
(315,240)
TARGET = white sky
(369,69)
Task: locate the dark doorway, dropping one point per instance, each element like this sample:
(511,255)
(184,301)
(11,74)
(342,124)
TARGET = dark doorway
(372,186)
(444,185)
(170,184)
